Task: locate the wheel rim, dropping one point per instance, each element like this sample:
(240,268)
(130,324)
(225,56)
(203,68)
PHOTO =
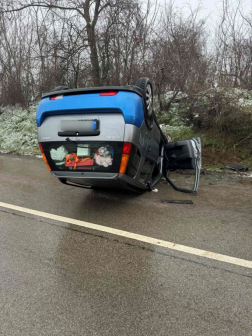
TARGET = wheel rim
(149,100)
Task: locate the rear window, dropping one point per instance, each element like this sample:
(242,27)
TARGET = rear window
(84,156)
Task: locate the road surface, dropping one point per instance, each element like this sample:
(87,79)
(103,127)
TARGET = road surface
(62,278)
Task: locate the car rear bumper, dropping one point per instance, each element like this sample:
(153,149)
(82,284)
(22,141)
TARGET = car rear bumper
(100,180)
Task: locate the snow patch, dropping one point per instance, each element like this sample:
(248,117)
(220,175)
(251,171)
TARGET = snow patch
(18,129)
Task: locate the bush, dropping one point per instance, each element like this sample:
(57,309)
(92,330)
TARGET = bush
(218,110)
(18,130)
(178,132)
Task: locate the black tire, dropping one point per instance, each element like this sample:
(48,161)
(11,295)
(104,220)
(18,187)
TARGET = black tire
(146,86)
(60,88)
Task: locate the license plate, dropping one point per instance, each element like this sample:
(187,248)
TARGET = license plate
(79,125)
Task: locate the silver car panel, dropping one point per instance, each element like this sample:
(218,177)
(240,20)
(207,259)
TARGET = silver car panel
(111,127)
(81,175)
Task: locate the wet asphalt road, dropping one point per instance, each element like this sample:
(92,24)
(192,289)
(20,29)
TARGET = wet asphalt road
(60,279)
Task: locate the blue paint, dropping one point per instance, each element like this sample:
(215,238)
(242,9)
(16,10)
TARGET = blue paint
(129,103)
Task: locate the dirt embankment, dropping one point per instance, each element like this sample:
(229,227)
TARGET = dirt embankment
(212,157)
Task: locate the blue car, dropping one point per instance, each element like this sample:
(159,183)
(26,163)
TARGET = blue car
(108,137)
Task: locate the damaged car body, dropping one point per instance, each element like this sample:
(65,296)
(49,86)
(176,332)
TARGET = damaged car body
(108,137)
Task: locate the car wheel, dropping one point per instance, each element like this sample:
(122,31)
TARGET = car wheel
(145,84)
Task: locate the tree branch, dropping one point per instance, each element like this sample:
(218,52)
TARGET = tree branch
(45,5)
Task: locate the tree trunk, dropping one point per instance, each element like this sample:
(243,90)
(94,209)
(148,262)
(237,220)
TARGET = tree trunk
(93,55)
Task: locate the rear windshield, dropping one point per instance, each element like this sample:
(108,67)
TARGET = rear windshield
(84,156)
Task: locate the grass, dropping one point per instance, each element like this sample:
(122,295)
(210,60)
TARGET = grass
(35,151)
(18,130)
(219,151)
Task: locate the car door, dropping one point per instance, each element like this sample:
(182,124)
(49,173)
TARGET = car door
(183,154)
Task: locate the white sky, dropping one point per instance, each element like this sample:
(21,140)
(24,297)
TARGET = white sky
(210,9)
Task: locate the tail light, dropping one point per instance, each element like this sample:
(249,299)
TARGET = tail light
(108,93)
(56,97)
(125,157)
(43,155)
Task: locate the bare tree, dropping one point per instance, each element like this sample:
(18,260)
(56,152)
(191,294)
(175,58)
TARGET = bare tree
(178,53)
(16,74)
(234,48)
(98,42)
(89,10)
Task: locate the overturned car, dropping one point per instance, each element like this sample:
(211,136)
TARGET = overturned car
(108,137)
